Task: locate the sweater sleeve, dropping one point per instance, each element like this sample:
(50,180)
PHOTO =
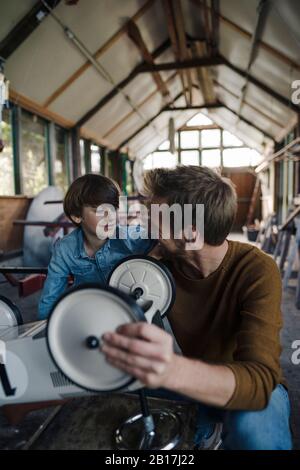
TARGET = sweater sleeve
(255,364)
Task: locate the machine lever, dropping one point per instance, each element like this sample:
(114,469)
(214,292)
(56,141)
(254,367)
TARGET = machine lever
(8,390)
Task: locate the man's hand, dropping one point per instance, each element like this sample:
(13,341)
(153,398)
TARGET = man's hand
(143,351)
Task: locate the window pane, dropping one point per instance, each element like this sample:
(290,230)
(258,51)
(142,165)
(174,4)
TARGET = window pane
(230,140)
(190,157)
(189,139)
(164,160)
(147,162)
(211,158)
(60,166)
(237,157)
(6,157)
(33,154)
(95,159)
(165,145)
(199,120)
(255,158)
(210,138)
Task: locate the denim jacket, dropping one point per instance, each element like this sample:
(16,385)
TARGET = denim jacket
(70,258)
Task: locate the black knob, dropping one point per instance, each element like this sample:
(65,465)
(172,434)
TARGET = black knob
(137,293)
(92,342)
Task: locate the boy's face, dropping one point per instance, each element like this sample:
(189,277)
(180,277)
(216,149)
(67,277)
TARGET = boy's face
(91,217)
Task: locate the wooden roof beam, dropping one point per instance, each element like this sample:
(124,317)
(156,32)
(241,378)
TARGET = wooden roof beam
(103,101)
(191,107)
(181,65)
(215,25)
(184,52)
(136,37)
(25,27)
(203,74)
(167,5)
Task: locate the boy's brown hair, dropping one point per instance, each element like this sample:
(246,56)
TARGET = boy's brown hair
(197,185)
(90,190)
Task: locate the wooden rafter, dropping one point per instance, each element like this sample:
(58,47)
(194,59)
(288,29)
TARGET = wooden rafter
(191,107)
(136,37)
(25,27)
(35,108)
(215,23)
(203,74)
(184,53)
(173,38)
(182,64)
(112,40)
(205,20)
(249,123)
(103,101)
(258,111)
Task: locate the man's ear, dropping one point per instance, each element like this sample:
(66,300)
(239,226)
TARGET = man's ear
(75,219)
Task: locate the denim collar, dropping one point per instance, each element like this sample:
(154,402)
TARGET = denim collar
(80,251)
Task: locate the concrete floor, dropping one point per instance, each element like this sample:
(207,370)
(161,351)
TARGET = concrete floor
(89,423)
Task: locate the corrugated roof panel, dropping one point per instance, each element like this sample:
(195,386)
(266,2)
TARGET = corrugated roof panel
(107,117)
(234,47)
(47,58)
(94,21)
(118,61)
(81,96)
(111,114)
(276,74)
(42,54)
(282,28)
(229,79)
(229,122)
(241,12)
(35,68)
(271,106)
(249,113)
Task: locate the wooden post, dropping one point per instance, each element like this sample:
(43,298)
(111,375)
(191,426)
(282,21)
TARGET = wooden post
(75,143)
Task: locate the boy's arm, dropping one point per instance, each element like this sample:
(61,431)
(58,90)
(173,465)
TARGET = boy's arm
(56,281)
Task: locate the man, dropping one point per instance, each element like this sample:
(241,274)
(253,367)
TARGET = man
(226,320)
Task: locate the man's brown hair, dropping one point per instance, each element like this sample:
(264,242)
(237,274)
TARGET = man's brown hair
(90,190)
(197,185)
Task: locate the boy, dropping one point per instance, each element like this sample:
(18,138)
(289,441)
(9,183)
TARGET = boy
(82,253)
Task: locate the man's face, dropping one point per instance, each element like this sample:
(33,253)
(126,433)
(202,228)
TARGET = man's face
(168,245)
